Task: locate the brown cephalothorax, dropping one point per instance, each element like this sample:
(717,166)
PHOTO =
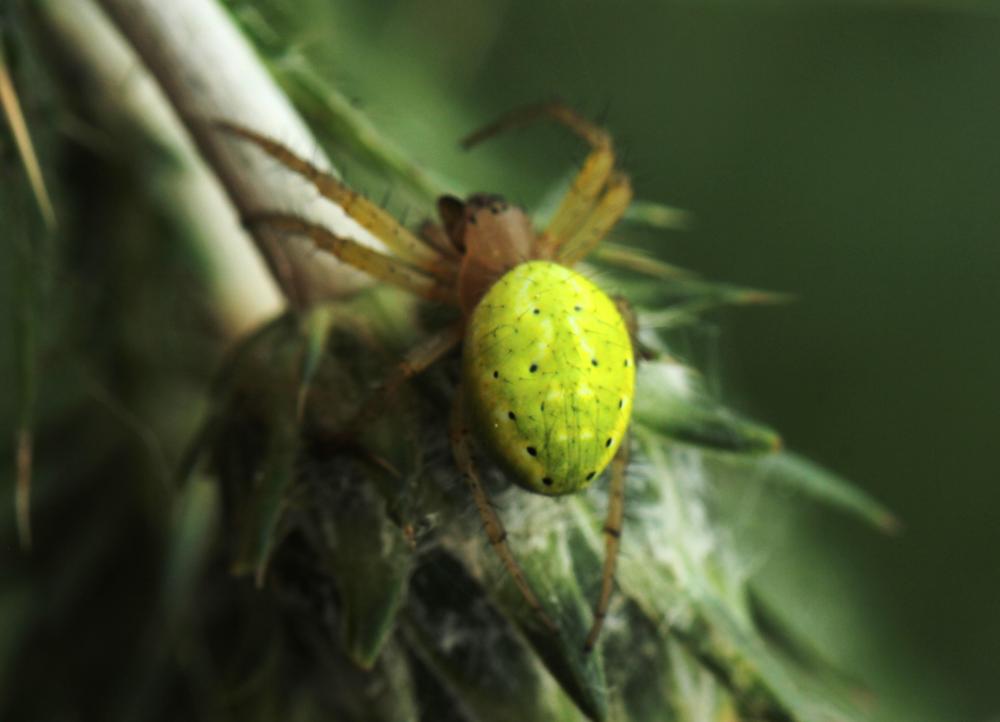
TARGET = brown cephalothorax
(495,237)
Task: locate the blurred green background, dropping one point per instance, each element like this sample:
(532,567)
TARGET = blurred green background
(846,153)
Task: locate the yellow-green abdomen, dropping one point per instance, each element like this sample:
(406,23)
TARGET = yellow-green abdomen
(549,376)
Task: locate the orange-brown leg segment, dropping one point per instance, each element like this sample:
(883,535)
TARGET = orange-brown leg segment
(417,360)
(437,238)
(612,542)
(578,202)
(375,264)
(370,216)
(608,211)
(462,450)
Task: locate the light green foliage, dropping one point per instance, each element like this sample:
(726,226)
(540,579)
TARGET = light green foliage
(550,374)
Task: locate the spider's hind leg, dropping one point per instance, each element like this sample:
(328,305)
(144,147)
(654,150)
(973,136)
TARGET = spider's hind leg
(612,542)
(462,451)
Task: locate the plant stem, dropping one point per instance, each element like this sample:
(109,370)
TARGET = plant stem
(207,71)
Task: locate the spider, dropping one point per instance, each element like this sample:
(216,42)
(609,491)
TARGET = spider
(548,367)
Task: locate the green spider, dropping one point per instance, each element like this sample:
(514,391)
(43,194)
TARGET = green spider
(548,372)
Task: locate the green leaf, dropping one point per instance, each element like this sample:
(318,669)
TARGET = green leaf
(671,401)
(637,261)
(760,678)
(316,329)
(264,509)
(641,689)
(475,654)
(698,295)
(238,365)
(551,543)
(798,650)
(801,475)
(193,527)
(255,438)
(659,216)
(687,582)
(364,551)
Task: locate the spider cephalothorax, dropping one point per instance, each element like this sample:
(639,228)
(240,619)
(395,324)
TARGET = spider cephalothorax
(548,368)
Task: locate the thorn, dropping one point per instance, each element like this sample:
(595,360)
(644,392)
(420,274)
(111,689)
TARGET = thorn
(22,493)
(22,138)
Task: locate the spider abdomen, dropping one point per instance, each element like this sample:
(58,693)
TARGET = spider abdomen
(549,375)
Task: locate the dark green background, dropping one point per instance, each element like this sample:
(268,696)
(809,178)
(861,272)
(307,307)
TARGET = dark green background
(847,154)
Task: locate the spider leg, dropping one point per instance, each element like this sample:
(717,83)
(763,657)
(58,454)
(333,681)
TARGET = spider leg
(417,360)
(436,237)
(608,211)
(495,531)
(612,542)
(576,205)
(375,264)
(369,215)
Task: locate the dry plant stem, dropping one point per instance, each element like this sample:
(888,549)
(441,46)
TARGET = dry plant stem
(123,99)
(207,71)
(22,493)
(10,107)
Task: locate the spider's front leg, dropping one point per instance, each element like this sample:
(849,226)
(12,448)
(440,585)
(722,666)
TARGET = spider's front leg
(412,249)
(577,205)
(461,445)
(377,265)
(602,218)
